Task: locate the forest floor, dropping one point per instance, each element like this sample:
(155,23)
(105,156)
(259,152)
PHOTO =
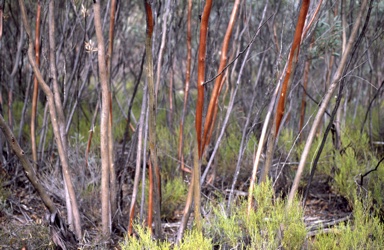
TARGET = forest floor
(23,220)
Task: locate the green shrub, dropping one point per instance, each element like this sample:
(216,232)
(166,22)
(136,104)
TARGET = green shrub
(194,240)
(174,194)
(229,150)
(224,229)
(143,240)
(326,163)
(363,232)
(269,225)
(354,161)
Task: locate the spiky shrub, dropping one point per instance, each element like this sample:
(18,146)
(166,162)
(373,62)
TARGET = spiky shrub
(194,240)
(173,197)
(354,161)
(227,155)
(223,229)
(174,192)
(269,226)
(363,232)
(143,240)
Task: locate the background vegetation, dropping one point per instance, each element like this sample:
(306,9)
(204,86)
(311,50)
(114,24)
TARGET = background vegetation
(339,203)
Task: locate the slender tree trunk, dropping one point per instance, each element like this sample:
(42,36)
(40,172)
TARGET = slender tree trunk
(112,172)
(186,212)
(201,74)
(186,88)
(144,165)
(170,101)
(304,98)
(150,197)
(152,119)
(56,93)
(35,84)
(56,129)
(197,189)
(162,45)
(292,61)
(104,120)
(138,161)
(198,123)
(336,78)
(212,108)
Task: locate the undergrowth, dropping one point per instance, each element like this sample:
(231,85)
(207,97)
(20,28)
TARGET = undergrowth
(365,231)
(270,225)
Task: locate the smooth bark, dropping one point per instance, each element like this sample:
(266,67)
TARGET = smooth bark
(56,129)
(104,120)
(335,81)
(152,118)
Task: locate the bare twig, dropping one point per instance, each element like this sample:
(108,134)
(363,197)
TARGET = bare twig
(370,171)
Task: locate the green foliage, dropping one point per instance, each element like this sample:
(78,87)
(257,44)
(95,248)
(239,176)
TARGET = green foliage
(354,161)
(194,240)
(229,150)
(268,226)
(143,240)
(344,179)
(224,229)
(328,36)
(167,143)
(287,139)
(174,194)
(364,232)
(272,223)
(325,163)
